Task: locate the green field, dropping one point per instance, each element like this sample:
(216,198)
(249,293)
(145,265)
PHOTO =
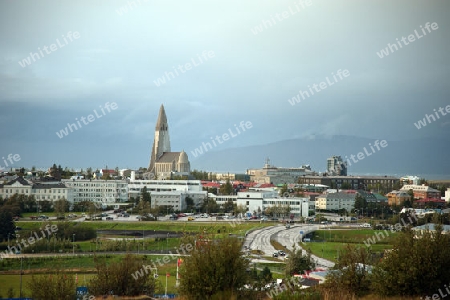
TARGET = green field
(75,265)
(331,242)
(176,226)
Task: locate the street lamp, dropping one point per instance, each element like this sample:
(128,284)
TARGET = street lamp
(167,241)
(73,244)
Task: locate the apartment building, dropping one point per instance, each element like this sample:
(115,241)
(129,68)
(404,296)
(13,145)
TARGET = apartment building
(422,191)
(98,190)
(48,191)
(169,192)
(258,200)
(336,201)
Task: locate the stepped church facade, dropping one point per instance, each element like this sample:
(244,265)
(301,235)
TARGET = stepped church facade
(165,164)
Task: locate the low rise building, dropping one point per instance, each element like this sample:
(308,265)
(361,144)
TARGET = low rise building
(422,191)
(397,197)
(336,201)
(276,175)
(98,190)
(169,192)
(258,200)
(42,191)
(386,183)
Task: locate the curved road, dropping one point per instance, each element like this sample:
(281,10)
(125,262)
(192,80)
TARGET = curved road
(260,240)
(292,236)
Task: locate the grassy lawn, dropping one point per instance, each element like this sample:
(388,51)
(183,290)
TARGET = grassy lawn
(78,264)
(175,226)
(333,241)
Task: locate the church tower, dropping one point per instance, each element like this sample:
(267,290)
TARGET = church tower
(161,142)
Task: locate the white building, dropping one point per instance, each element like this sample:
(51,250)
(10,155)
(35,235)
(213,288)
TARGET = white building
(276,175)
(447,195)
(259,200)
(49,191)
(336,201)
(169,192)
(98,190)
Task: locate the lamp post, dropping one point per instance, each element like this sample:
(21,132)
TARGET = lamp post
(73,244)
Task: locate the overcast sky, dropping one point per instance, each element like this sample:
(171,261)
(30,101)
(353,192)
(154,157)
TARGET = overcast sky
(119,50)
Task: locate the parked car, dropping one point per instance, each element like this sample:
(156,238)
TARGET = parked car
(109,218)
(191,218)
(253,217)
(274,219)
(173,217)
(275,254)
(281,253)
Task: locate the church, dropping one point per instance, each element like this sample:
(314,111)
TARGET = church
(165,164)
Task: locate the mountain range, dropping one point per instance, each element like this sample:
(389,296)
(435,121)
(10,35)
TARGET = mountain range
(423,157)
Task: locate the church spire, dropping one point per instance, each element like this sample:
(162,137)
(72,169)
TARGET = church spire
(161,124)
(161,143)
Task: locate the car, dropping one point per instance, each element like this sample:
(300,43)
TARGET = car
(43,217)
(275,254)
(191,218)
(109,218)
(253,217)
(263,219)
(173,217)
(274,219)
(281,253)
(288,226)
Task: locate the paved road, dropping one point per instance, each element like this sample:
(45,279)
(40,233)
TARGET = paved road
(292,236)
(260,239)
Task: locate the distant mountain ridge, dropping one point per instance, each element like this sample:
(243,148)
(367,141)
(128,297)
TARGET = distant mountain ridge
(413,157)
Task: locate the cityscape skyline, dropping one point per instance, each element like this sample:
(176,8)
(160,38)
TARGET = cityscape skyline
(276,67)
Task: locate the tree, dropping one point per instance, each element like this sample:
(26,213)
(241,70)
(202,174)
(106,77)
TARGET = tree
(299,263)
(89,173)
(55,286)
(143,208)
(55,172)
(284,191)
(345,186)
(351,274)
(61,206)
(130,276)
(7,226)
(417,264)
(360,202)
(215,267)
(189,203)
(227,188)
(145,196)
(228,206)
(210,206)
